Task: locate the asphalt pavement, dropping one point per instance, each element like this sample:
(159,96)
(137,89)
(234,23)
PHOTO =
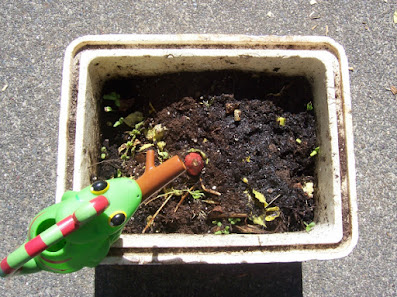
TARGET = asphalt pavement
(33,39)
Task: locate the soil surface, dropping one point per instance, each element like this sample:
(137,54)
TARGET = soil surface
(199,111)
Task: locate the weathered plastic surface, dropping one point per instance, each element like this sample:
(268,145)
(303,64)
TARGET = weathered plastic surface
(91,60)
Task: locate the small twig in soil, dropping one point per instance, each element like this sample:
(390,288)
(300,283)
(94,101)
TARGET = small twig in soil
(155,198)
(249,229)
(209,190)
(184,197)
(274,199)
(211,201)
(152,109)
(216,129)
(227,215)
(157,212)
(106,161)
(279,93)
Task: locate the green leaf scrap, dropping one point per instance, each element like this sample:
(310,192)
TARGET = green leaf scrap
(224,231)
(156,133)
(315,151)
(119,122)
(309,226)
(163,155)
(161,145)
(234,221)
(145,146)
(197,194)
(260,197)
(260,220)
(133,118)
(113,96)
(270,213)
(281,121)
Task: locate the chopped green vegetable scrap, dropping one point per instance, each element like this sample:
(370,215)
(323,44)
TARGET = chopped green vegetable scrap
(145,146)
(104,153)
(260,197)
(281,121)
(156,133)
(119,122)
(234,221)
(224,231)
(309,226)
(270,213)
(133,118)
(113,96)
(161,145)
(315,151)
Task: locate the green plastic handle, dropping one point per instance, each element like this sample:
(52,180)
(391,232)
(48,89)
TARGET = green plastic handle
(85,213)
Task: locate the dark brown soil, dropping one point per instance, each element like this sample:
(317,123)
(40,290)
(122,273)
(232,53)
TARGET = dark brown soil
(195,108)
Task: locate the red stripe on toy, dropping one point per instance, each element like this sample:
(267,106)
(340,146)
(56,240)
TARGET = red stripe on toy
(100,203)
(35,246)
(49,267)
(76,221)
(67,225)
(54,262)
(5,267)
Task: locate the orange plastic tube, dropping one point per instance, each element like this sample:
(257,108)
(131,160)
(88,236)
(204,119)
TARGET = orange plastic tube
(156,178)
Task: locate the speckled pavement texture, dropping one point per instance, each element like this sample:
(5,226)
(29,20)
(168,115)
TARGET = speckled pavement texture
(33,38)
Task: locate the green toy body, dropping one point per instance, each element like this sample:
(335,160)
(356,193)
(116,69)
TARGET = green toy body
(89,243)
(78,231)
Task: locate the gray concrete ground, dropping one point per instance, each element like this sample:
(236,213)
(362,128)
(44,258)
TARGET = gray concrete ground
(33,38)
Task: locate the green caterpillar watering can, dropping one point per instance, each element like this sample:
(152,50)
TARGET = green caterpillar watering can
(78,231)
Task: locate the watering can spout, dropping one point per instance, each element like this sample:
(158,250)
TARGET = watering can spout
(156,178)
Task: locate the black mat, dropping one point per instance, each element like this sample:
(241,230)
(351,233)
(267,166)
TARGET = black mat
(278,279)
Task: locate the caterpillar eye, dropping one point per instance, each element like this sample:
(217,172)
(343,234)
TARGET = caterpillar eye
(117,218)
(99,187)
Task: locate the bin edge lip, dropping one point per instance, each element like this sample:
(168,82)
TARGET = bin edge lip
(196,39)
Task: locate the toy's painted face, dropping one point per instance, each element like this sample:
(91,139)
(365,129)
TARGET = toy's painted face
(118,217)
(99,187)
(124,196)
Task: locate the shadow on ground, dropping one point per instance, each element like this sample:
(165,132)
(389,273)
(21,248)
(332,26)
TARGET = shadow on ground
(278,279)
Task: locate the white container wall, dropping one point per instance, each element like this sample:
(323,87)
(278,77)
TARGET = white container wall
(92,60)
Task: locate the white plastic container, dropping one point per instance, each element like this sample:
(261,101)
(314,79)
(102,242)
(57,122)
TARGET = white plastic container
(92,60)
